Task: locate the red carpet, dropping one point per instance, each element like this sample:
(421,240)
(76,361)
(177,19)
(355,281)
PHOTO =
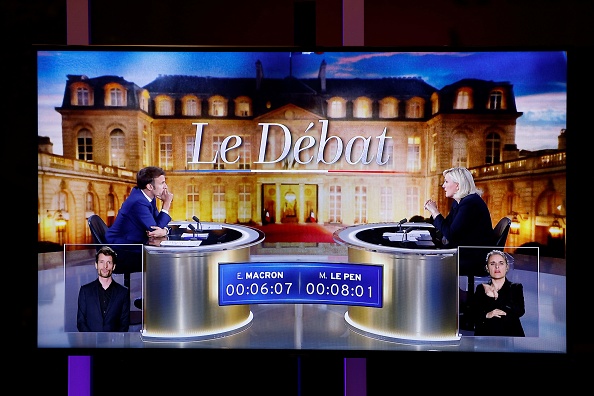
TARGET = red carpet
(290,232)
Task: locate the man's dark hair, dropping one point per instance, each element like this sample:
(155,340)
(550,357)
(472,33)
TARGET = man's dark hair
(106,251)
(148,175)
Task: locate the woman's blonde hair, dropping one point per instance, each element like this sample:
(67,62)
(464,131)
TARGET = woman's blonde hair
(465,181)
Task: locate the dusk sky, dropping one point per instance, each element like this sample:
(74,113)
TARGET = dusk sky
(539,78)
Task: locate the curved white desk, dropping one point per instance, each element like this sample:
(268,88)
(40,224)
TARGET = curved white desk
(180,285)
(420,286)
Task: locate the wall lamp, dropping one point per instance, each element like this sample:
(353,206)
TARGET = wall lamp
(515,223)
(58,216)
(555,229)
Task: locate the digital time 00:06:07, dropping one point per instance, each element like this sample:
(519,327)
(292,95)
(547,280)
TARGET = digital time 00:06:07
(285,288)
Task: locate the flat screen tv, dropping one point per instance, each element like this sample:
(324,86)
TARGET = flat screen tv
(300,180)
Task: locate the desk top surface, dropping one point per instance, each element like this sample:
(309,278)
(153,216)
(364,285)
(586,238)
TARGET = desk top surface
(375,237)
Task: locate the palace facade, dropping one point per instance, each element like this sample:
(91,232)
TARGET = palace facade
(257,150)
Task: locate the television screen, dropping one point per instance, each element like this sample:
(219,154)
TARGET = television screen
(300,182)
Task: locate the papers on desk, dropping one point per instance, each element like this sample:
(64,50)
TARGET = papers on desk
(412,236)
(204,227)
(199,235)
(180,243)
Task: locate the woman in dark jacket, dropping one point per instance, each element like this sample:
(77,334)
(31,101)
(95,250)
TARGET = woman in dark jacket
(499,304)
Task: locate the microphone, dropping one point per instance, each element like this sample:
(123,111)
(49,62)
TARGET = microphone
(400,223)
(191,227)
(198,224)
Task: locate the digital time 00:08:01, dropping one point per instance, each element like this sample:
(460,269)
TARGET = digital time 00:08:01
(299,282)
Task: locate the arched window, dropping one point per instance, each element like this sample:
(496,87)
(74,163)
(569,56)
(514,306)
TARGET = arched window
(115,95)
(362,108)
(496,100)
(81,94)
(434,103)
(388,108)
(190,106)
(336,108)
(414,108)
(164,105)
(464,99)
(144,100)
(217,106)
(117,148)
(243,107)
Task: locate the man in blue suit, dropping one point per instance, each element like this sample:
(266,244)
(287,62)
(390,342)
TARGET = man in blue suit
(103,304)
(138,218)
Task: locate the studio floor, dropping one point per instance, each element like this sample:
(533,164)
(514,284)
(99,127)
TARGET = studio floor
(301,326)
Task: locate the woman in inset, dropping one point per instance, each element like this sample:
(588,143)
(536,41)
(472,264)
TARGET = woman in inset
(499,304)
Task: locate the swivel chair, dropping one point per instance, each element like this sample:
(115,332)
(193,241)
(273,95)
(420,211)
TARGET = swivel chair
(98,229)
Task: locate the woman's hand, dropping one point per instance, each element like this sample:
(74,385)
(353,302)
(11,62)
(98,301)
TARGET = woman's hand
(491,290)
(496,313)
(431,206)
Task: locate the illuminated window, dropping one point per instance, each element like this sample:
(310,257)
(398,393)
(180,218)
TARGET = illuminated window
(463,99)
(218,106)
(360,205)
(362,108)
(414,108)
(388,108)
(144,100)
(336,108)
(164,105)
(412,200)
(245,153)
(166,152)
(82,96)
(460,150)
(433,155)
(434,103)
(413,157)
(493,154)
(89,203)
(216,147)
(145,150)
(190,143)
(244,206)
(219,212)
(84,145)
(192,201)
(117,148)
(335,204)
(386,204)
(115,96)
(190,106)
(496,100)
(243,107)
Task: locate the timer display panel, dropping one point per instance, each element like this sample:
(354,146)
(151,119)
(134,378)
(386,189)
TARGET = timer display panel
(300,283)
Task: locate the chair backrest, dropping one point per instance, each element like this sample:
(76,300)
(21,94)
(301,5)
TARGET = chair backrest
(98,229)
(501,231)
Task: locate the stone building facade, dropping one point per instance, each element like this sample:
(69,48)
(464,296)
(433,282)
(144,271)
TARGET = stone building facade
(333,151)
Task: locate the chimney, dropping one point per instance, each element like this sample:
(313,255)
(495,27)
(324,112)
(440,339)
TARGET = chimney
(561,140)
(322,76)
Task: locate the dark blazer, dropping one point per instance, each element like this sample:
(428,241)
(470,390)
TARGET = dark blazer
(467,224)
(89,317)
(511,300)
(135,218)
